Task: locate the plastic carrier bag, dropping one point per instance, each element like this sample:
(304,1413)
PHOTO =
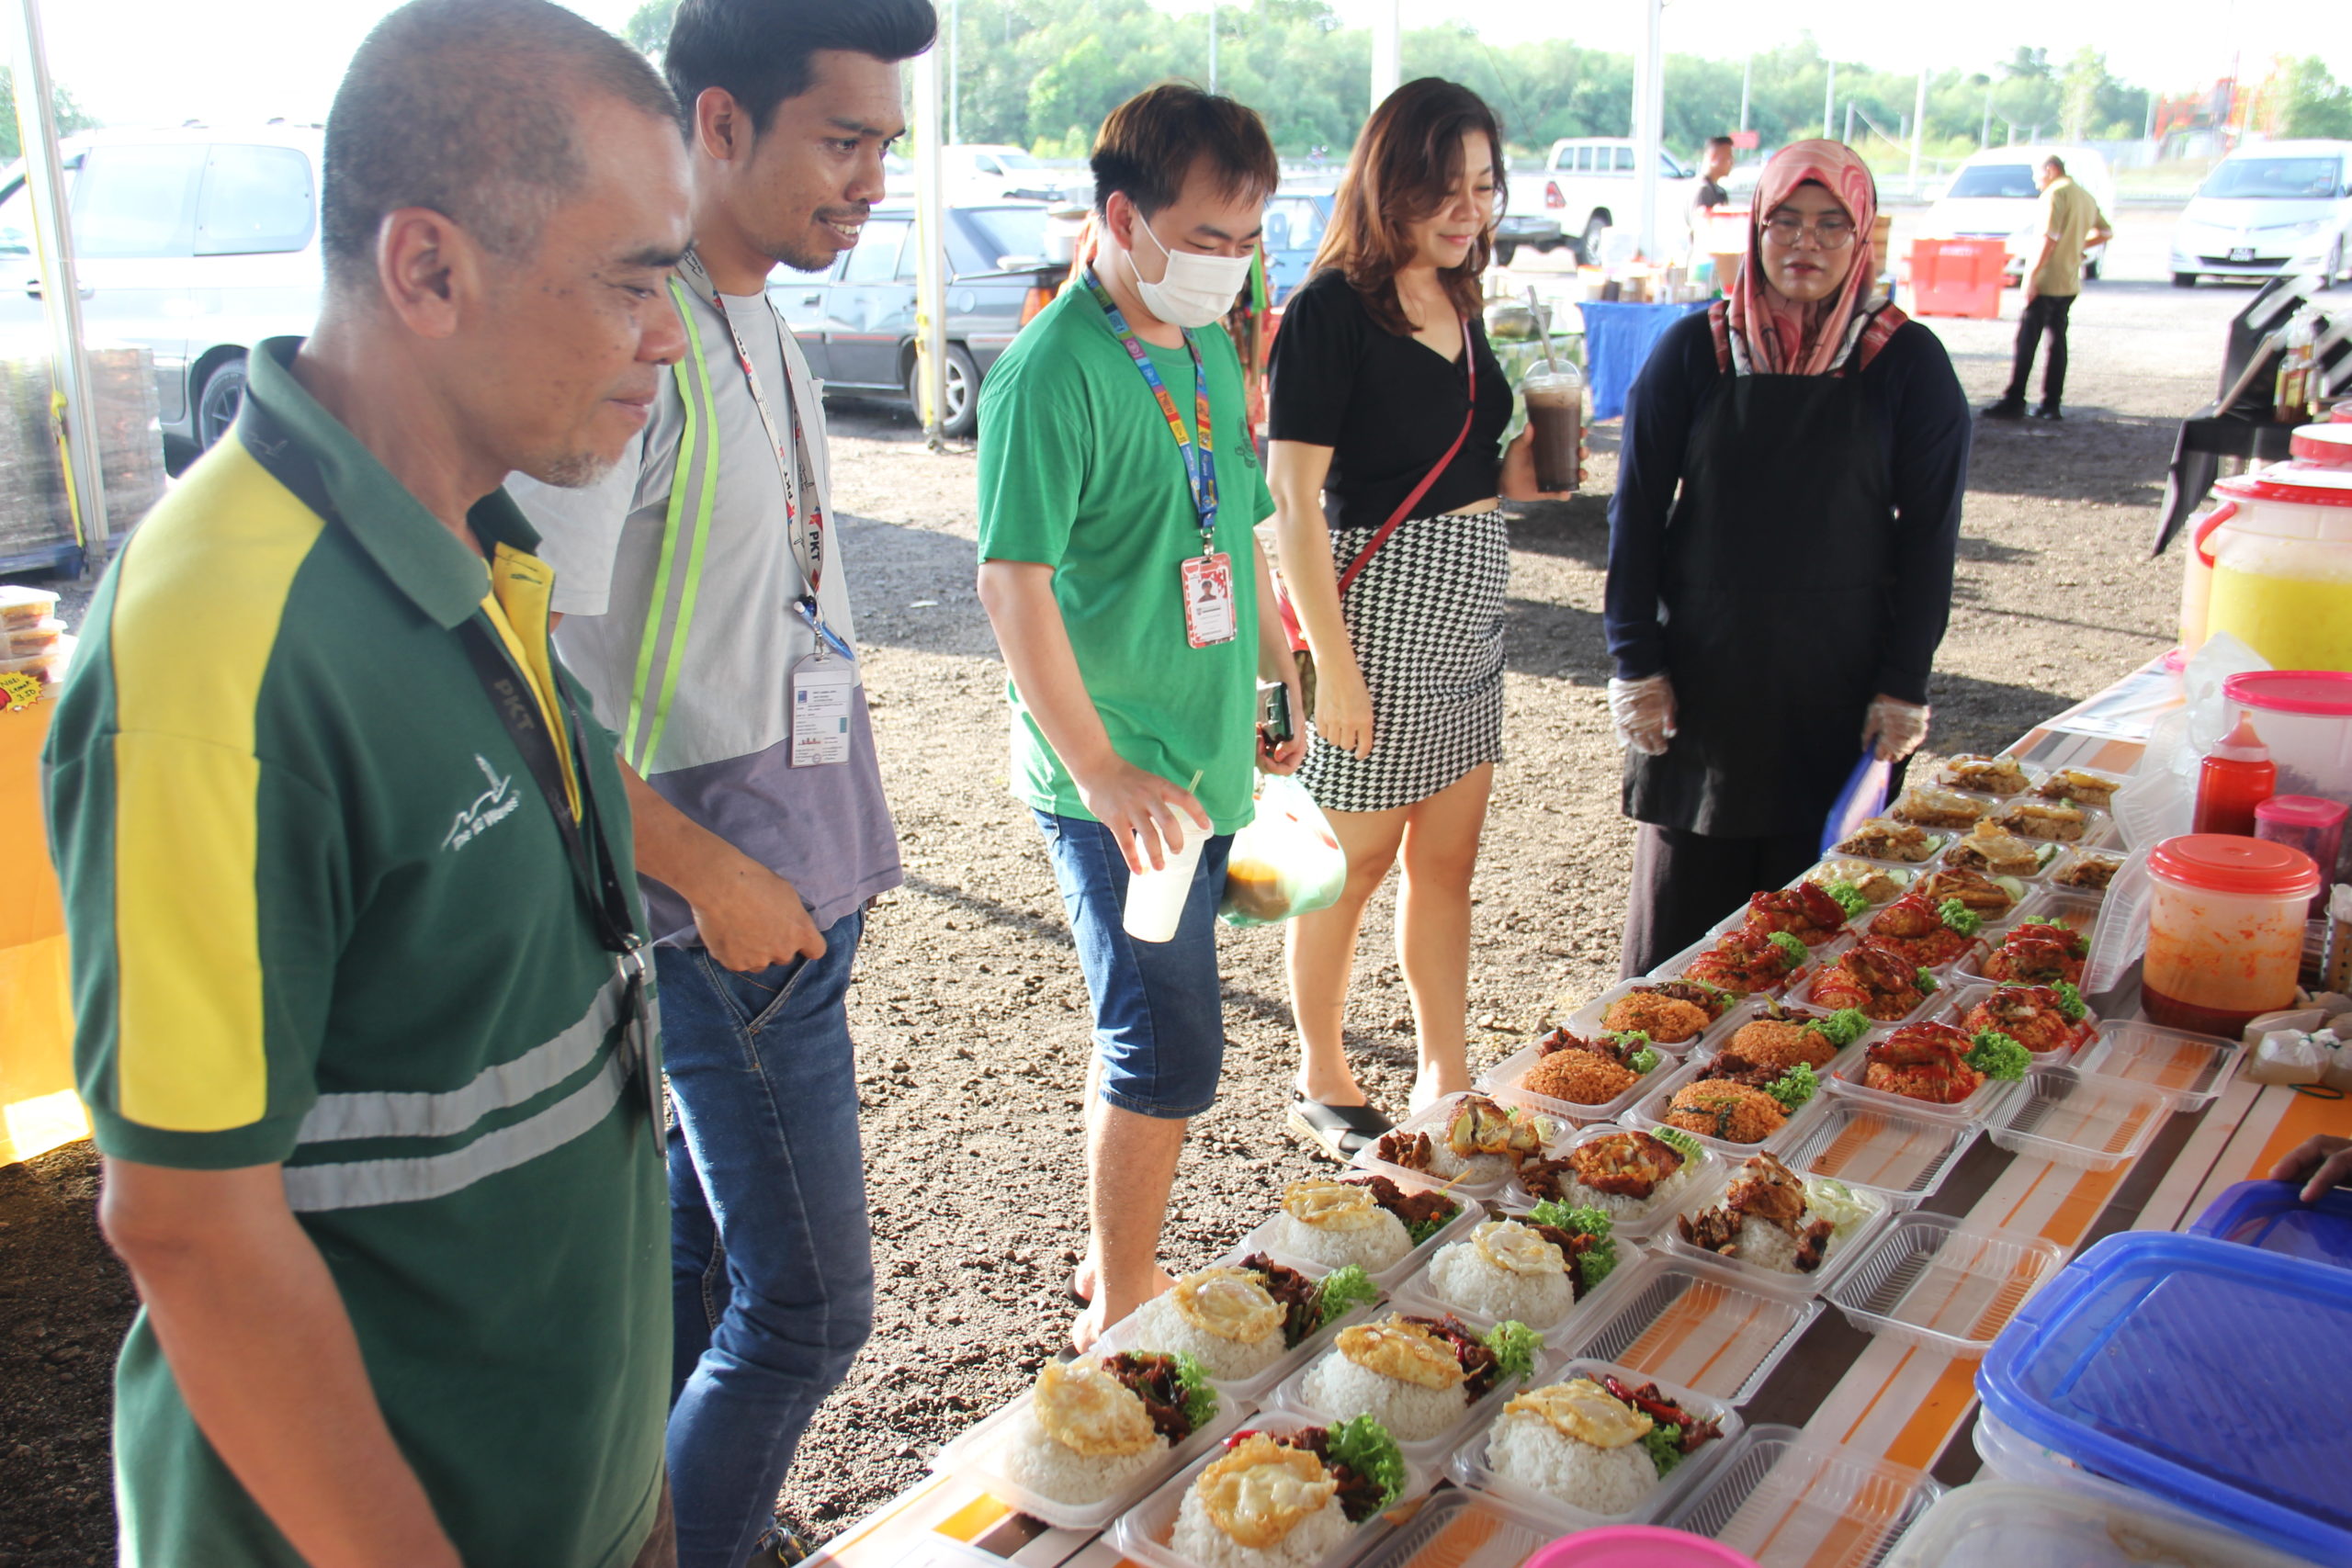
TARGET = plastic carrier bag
(1286,863)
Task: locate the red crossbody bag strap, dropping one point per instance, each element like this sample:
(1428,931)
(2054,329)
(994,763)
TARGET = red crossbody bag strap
(1405,508)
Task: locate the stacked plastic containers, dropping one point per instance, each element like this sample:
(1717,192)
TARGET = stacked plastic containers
(2305,719)
(33,639)
(2195,1371)
(2273,1216)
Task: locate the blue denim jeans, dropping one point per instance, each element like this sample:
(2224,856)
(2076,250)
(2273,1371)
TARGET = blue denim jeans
(1159,1018)
(771,1253)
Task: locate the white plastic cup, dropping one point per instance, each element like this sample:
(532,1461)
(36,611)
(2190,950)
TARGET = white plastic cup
(1156,900)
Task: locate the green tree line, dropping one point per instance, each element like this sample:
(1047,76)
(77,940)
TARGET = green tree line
(70,115)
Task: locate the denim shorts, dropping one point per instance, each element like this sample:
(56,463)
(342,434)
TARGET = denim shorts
(1159,1020)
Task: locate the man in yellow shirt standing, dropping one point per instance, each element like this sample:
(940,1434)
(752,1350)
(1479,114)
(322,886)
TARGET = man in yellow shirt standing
(2071,223)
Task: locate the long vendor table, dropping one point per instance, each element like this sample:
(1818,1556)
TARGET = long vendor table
(1877,1396)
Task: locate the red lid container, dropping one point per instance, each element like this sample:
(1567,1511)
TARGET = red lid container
(2329,445)
(2302,811)
(2224,862)
(2327,692)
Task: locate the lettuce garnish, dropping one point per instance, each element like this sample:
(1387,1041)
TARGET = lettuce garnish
(1365,1446)
(1601,1260)
(1997,1056)
(1794,950)
(2070,1001)
(1200,1397)
(1342,1290)
(1841,1028)
(1958,917)
(1849,898)
(1794,1087)
(1664,1446)
(1514,1345)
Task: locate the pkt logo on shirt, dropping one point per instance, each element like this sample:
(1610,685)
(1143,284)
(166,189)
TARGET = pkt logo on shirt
(490,808)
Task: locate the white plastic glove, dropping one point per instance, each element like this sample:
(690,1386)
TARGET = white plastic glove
(1641,713)
(1895,728)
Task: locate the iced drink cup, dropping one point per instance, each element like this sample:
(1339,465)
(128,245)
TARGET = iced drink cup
(1156,898)
(1555,414)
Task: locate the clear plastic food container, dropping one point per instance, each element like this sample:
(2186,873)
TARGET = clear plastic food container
(1966,996)
(982,1456)
(2006,1524)
(1142,1533)
(21,606)
(1945,779)
(1937,840)
(2191,1068)
(1835,869)
(1506,1081)
(1850,1081)
(2098,828)
(1630,1219)
(1469,1466)
(1415,1295)
(1674,967)
(1700,1325)
(1437,1116)
(1289,1398)
(1649,1113)
(1466,1214)
(1790,1500)
(1586,1019)
(23,642)
(2091,1123)
(1842,1251)
(1937,1283)
(1902,1158)
(1803,995)
(1465,1530)
(2076,856)
(1127,1334)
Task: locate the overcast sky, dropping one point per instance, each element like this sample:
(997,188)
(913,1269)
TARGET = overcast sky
(158,61)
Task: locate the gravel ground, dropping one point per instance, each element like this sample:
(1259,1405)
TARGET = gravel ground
(969,1012)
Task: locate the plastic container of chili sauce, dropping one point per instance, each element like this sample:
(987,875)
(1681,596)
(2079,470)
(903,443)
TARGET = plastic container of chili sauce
(2225,931)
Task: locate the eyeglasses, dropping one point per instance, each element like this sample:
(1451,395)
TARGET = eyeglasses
(1830,234)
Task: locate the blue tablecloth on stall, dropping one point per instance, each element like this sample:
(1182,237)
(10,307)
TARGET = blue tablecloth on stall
(1617,342)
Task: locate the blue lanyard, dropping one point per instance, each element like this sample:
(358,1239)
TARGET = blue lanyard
(1200,461)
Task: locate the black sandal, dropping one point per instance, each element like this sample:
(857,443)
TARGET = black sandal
(1339,1131)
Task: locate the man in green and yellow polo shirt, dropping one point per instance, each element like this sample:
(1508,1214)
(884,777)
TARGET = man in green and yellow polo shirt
(361,1027)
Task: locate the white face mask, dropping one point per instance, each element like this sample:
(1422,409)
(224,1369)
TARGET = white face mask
(1196,289)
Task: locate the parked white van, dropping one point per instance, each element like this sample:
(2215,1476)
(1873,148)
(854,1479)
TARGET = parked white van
(1588,187)
(1993,197)
(2268,208)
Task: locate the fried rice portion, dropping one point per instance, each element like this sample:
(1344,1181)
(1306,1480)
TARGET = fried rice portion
(1580,1078)
(1669,1020)
(1730,1111)
(1775,1042)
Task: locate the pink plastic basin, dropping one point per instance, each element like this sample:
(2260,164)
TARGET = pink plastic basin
(1638,1545)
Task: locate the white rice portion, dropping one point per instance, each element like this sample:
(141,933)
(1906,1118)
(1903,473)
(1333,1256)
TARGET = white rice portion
(1314,1538)
(1477,1169)
(1767,1246)
(1372,1249)
(1344,1391)
(1160,1328)
(1466,1281)
(1528,1449)
(1626,1209)
(1033,1460)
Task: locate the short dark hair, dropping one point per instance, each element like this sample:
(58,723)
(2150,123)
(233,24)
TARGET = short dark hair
(758,49)
(1149,144)
(466,106)
(1720,141)
(2054,162)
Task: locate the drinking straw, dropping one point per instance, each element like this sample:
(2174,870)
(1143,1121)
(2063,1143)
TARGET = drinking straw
(1543,330)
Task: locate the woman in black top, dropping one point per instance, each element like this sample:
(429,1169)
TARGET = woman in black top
(1780,555)
(1388,404)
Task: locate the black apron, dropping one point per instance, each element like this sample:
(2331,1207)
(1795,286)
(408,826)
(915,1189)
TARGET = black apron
(1778,606)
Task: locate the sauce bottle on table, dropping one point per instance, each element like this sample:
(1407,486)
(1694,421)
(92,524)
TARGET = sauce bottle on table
(2237,777)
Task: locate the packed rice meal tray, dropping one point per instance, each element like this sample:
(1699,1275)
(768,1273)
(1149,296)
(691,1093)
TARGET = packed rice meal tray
(1994,849)
(1576,1070)
(1925,805)
(1743,963)
(1883,838)
(2076,787)
(1806,912)
(1782,1036)
(1876,979)
(1987,894)
(1627,1175)
(1367,1221)
(2089,871)
(1927,935)
(1671,1013)
(1093,1427)
(1939,1065)
(1237,1320)
(1417,1376)
(1291,1501)
(1985,775)
(1601,1445)
(1533,1269)
(1772,1219)
(1873,883)
(2043,1019)
(1482,1142)
(1735,1101)
(2053,821)
(2036,952)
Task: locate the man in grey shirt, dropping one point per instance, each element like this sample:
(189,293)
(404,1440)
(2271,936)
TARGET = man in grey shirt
(707,613)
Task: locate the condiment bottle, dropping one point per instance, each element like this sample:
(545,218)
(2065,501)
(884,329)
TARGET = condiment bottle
(2236,776)
(2307,823)
(2225,931)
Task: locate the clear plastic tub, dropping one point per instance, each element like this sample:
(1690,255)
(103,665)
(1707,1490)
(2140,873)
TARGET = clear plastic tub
(2192,1069)
(1142,1533)
(1289,1398)
(1790,1500)
(1902,1158)
(1854,869)
(2017,888)
(1841,1253)
(1983,1104)
(1700,1326)
(1966,995)
(1417,1296)
(1960,956)
(1656,1212)
(1938,839)
(1946,778)
(2097,826)
(1434,1118)
(2077,912)
(1674,967)
(1465,1530)
(1804,996)
(1125,1335)
(23,642)
(2006,1524)
(981,1456)
(1925,799)
(2090,1124)
(2272,1215)
(1505,1082)
(22,606)
(1649,1113)
(1939,1284)
(1469,1466)
(2077,856)
(49,666)
(1467,1214)
(2046,858)
(1586,1019)
(1737,920)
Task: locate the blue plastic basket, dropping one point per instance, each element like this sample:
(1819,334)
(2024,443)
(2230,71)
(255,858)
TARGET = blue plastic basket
(2272,1215)
(2205,1373)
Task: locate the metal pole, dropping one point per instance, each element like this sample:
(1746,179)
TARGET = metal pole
(1387,49)
(1649,120)
(1829,104)
(1984,135)
(930,241)
(1849,124)
(954,76)
(1918,128)
(1212,46)
(1747,77)
(61,292)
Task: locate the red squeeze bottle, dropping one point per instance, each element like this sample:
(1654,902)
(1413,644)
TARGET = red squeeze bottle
(2236,776)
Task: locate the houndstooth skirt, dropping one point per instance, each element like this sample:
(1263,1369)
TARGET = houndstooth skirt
(1425,621)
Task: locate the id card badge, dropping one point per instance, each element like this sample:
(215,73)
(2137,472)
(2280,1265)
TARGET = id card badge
(1208,600)
(822,689)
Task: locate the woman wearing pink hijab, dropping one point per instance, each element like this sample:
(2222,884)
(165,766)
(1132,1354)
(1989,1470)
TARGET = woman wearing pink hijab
(1779,554)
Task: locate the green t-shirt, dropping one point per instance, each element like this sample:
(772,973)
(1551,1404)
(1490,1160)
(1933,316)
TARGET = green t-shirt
(322,917)
(1078,471)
